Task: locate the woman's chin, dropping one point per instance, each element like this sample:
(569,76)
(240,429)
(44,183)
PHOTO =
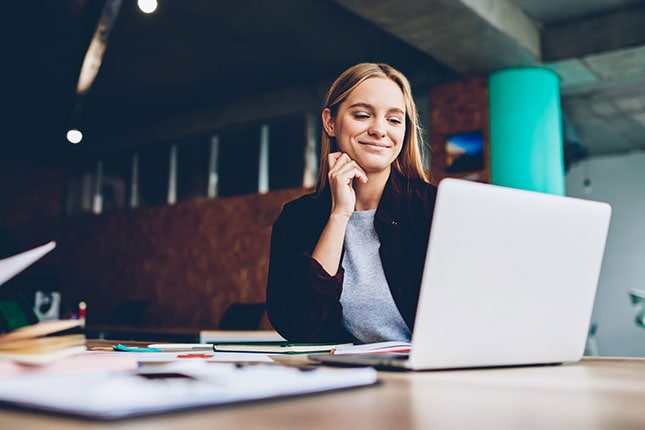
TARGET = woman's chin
(372,168)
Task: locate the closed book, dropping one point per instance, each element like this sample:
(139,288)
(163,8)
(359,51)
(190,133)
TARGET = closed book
(279,348)
(375,348)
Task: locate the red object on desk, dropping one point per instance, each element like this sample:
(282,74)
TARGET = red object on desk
(194,355)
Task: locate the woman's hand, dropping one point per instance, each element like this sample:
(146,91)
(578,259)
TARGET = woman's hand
(342,172)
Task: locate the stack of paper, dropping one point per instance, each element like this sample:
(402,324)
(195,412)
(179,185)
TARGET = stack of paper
(39,343)
(109,395)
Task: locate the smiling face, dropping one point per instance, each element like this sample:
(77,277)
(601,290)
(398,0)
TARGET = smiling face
(370,124)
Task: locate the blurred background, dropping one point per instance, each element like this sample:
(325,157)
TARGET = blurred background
(201,118)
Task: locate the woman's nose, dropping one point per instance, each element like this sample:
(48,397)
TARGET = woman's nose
(377,128)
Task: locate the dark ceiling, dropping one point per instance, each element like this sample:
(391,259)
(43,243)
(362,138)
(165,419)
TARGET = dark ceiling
(191,55)
(187,56)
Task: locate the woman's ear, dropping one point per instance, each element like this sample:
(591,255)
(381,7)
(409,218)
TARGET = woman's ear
(328,122)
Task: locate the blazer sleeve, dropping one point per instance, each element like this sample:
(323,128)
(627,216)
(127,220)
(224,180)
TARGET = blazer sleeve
(303,300)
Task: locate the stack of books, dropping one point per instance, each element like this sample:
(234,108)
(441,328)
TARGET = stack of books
(43,342)
(22,338)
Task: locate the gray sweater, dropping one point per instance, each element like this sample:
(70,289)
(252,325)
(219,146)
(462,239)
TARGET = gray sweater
(369,311)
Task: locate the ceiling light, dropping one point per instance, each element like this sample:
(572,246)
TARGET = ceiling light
(74,135)
(147,6)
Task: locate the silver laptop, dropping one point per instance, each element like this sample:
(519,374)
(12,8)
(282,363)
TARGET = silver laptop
(510,279)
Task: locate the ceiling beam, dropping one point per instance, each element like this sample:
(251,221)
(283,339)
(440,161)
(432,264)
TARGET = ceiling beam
(469,36)
(96,50)
(611,31)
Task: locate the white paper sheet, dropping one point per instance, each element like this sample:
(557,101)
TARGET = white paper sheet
(168,357)
(11,266)
(110,395)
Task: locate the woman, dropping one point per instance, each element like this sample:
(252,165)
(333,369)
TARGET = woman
(346,261)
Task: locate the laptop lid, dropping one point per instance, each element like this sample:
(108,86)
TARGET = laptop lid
(510,277)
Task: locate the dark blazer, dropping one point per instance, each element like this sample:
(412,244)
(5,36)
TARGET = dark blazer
(303,300)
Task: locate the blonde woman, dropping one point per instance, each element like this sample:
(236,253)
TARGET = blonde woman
(346,260)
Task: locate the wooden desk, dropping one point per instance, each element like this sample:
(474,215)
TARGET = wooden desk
(593,394)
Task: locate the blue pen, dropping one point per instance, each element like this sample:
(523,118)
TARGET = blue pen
(121,347)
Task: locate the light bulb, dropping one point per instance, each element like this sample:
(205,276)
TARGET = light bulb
(147,6)
(74,136)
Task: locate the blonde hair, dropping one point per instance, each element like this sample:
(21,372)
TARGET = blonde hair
(409,163)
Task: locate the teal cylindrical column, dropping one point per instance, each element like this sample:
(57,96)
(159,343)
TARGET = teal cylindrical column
(526,130)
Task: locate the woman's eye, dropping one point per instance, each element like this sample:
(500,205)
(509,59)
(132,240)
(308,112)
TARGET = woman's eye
(395,120)
(361,115)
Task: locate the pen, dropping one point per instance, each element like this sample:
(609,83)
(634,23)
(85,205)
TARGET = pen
(179,347)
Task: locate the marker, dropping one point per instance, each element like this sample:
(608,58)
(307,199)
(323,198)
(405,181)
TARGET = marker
(82,306)
(121,347)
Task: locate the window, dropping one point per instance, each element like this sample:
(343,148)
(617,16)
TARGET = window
(276,154)
(154,167)
(238,161)
(193,156)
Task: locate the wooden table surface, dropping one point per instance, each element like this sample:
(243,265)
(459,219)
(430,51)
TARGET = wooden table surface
(596,393)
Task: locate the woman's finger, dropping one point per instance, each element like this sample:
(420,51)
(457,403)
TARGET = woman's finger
(332,158)
(355,169)
(347,172)
(337,159)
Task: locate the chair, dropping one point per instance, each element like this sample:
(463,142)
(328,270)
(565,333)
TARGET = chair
(242,316)
(638,300)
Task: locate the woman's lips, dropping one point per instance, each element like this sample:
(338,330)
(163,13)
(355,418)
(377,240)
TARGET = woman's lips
(376,144)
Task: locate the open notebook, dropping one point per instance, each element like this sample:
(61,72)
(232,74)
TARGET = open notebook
(510,279)
(11,266)
(23,339)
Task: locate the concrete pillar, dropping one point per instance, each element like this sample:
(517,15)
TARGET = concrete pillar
(526,130)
